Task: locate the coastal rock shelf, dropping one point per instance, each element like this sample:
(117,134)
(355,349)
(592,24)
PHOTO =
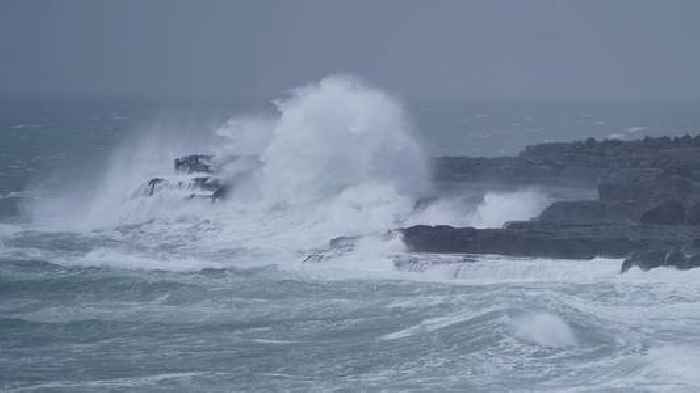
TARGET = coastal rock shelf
(647,211)
(646,246)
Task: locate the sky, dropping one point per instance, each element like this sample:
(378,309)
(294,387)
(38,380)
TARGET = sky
(427,49)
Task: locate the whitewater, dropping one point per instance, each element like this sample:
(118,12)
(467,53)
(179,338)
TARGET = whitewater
(102,289)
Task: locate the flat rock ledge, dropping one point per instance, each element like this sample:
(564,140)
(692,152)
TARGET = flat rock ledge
(643,246)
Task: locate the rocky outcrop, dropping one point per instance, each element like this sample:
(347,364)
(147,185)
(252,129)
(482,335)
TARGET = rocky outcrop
(651,195)
(672,257)
(510,171)
(202,176)
(581,163)
(195,177)
(194,163)
(648,206)
(670,212)
(536,239)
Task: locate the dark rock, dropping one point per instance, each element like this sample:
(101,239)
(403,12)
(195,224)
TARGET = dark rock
(692,215)
(208,179)
(343,242)
(675,257)
(664,257)
(578,163)
(194,163)
(153,183)
(221,192)
(647,186)
(648,206)
(628,184)
(207,183)
(691,262)
(441,238)
(537,239)
(336,247)
(666,213)
(513,171)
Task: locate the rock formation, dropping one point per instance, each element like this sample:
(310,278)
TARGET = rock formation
(648,206)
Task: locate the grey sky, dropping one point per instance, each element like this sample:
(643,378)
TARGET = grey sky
(419,49)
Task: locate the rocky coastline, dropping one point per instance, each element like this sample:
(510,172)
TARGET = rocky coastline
(647,210)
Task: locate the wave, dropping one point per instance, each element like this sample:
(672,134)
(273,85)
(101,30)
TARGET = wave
(339,158)
(545,329)
(336,158)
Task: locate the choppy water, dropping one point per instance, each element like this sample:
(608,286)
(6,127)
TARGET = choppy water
(103,292)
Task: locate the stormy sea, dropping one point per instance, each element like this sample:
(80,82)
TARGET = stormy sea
(104,288)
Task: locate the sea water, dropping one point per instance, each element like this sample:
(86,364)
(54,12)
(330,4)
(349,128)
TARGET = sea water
(105,290)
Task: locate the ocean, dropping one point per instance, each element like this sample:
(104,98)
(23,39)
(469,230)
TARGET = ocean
(104,289)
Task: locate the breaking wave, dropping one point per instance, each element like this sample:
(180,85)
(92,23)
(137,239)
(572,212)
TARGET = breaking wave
(544,329)
(492,210)
(336,158)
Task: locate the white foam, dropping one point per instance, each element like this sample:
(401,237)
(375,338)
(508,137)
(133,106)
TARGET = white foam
(500,207)
(445,211)
(130,382)
(678,363)
(544,329)
(338,158)
(115,257)
(7,230)
(275,342)
(634,130)
(617,136)
(430,325)
(496,209)
(497,269)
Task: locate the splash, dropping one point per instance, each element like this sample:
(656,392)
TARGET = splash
(336,158)
(328,138)
(491,211)
(500,207)
(545,329)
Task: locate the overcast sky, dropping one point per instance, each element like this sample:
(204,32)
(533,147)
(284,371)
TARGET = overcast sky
(419,49)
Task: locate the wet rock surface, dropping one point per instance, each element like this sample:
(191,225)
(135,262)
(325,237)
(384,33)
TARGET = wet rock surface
(647,211)
(672,257)
(194,163)
(535,239)
(202,176)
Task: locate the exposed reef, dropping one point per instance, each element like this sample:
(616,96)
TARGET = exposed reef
(647,210)
(201,176)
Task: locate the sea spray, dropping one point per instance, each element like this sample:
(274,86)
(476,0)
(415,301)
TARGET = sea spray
(544,329)
(327,137)
(340,159)
(500,207)
(493,210)
(336,158)
(105,197)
